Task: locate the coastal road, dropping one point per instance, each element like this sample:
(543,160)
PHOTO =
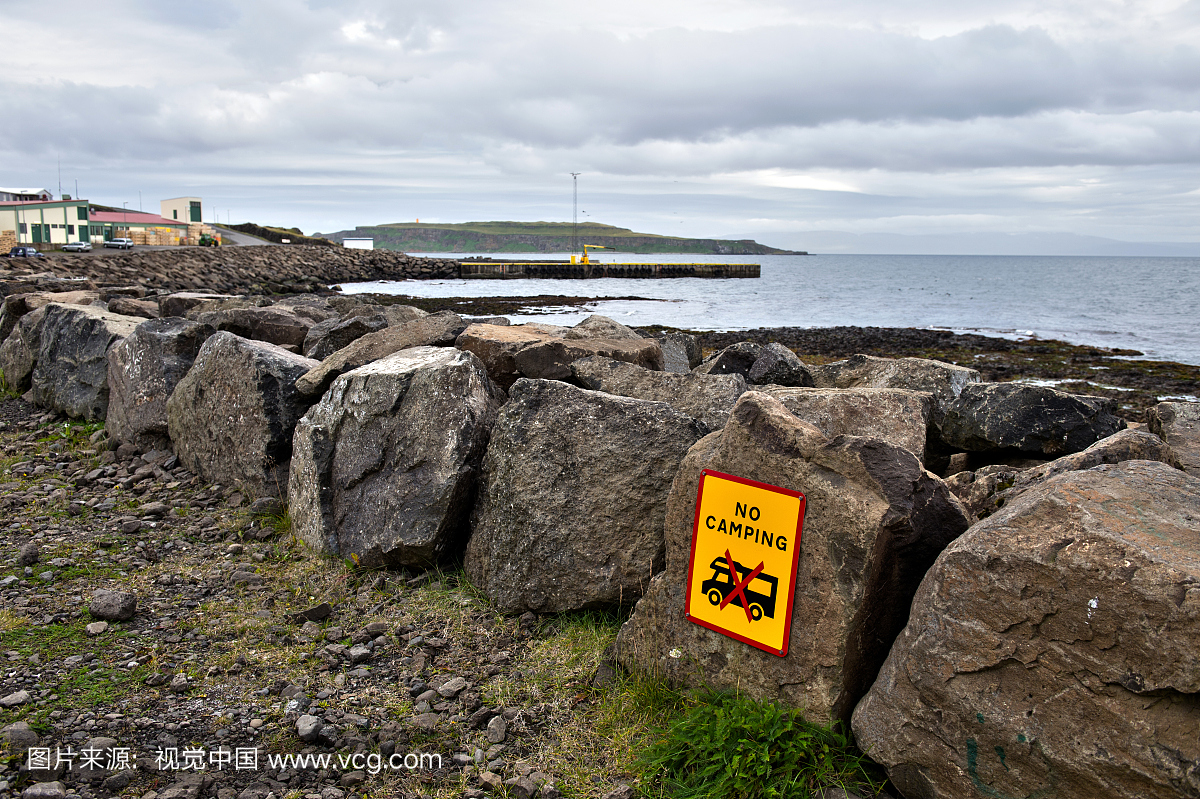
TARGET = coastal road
(241,239)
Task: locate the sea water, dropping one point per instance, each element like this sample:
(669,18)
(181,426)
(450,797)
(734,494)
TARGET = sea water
(1145,304)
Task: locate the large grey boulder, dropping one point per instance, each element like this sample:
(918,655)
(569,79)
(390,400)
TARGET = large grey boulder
(497,346)
(708,398)
(311,307)
(890,414)
(41,299)
(875,522)
(143,370)
(231,418)
(384,467)
(1051,651)
(1178,423)
(945,381)
(989,417)
(984,491)
(777,365)
(275,325)
(401,314)
(19,352)
(736,359)
(71,374)
(681,351)
(326,338)
(597,326)
(12,308)
(439,330)
(551,360)
(132,306)
(572,498)
(181,302)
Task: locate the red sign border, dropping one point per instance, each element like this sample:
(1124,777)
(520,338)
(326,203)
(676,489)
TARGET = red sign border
(687,600)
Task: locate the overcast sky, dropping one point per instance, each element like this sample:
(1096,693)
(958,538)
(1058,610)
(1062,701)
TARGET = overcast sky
(692,117)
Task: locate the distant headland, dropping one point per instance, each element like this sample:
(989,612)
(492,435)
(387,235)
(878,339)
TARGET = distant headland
(539,237)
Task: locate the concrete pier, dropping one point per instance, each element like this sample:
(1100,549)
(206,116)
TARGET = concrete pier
(508,270)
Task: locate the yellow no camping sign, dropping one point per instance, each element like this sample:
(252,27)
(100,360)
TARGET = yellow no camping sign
(745,548)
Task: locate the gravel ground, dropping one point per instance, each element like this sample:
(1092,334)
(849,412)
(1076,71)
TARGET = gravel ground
(220,658)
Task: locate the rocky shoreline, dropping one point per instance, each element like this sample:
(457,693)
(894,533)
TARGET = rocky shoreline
(1136,384)
(346,529)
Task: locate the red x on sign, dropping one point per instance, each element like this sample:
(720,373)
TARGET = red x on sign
(739,590)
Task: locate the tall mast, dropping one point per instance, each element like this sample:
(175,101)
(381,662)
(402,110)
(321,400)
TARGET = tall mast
(575,211)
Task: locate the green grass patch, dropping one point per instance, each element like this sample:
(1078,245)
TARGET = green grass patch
(7,392)
(726,746)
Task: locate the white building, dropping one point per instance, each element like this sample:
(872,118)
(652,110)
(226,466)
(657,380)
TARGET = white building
(358,244)
(182,209)
(8,195)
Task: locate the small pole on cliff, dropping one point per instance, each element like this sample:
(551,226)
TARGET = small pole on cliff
(575,212)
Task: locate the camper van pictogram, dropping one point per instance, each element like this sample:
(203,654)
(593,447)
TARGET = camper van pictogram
(722,589)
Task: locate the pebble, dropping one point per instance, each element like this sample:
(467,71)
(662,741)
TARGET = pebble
(497,730)
(45,790)
(452,687)
(113,605)
(15,699)
(97,628)
(308,728)
(29,554)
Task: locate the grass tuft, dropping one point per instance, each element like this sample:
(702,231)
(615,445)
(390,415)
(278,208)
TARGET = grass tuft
(726,746)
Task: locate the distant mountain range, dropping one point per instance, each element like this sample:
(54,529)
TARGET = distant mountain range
(539,237)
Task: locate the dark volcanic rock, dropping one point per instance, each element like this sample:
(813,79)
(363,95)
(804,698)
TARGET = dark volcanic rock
(1178,423)
(875,523)
(986,490)
(552,359)
(143,370)
(71,374)
(890,414)
(232,416)
(777,365)
(572,497)
(113,605)
(385,465)
(736,359)
(275,325)
(439,329)
(497,346)
(1051,649)
(1028,419)
(326,338)
(19,352)
(708,398)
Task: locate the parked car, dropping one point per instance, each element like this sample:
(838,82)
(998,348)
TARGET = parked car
(78,246)
(120,244)
(24,252)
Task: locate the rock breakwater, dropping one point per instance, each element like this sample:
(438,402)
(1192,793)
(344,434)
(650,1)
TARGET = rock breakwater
(560,465)
(239,270)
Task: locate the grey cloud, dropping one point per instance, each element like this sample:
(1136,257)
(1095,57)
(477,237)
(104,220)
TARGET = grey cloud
(319,104)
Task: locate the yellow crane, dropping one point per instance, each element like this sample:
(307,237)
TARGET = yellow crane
(585,252)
